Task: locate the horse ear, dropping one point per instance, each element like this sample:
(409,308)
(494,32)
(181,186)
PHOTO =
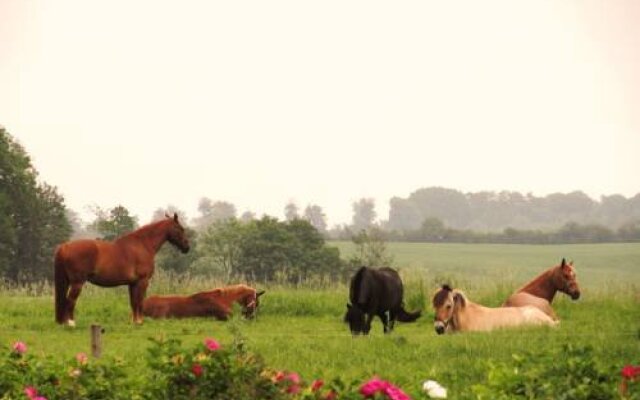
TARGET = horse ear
(175,216)
(260,293)
(459,297)
(166,215)
(563,263)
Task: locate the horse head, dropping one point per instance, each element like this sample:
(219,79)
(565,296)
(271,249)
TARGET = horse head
(176,234)
(250,304)
(446,303)
(355,317)
(565,280)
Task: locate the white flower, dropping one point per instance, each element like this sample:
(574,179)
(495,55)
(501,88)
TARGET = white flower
(434,390)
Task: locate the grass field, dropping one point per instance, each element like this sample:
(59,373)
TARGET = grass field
(301,329)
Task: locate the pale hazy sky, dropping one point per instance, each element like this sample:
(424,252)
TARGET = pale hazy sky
(148,103)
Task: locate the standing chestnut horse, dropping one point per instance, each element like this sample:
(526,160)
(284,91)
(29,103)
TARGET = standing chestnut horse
(214,303)
(542,289)
(128,260)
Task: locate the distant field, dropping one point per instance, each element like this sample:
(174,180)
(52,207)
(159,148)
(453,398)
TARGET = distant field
(301,329)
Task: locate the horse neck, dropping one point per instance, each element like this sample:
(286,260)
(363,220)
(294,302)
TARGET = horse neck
(463,316)
(152,236)
(542,286)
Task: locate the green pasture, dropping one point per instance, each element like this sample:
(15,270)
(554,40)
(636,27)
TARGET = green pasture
(301,329)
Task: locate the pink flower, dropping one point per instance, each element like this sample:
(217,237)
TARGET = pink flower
(196,369)
(293,389)
(31,392)
(376,385)
(372,387)
(20,347)
(331,395)
(279,376)
(211,344)
(293,378)
(630,372)
(82,358)
(316,385)
(394,393)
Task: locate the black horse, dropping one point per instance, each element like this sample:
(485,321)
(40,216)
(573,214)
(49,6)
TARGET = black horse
(376,292)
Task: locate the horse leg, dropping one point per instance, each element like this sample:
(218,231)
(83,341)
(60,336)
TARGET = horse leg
(367,323)
(72,297)
(137,292)
(384,316)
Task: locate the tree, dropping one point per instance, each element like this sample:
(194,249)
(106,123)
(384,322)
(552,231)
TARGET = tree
(33,217)
(113,223)
(247,216)
(291,211)
(371,249)
(314,214)
(363,214)
(212,212)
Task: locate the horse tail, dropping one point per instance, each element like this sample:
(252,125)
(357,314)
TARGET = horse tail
(61,286)
(405,316)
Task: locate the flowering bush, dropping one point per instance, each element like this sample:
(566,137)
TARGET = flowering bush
(572,373)
(23,376)
(210,370)
(630,381)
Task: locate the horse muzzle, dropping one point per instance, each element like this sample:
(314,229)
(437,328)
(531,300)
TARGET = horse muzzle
(440,327)
(575,295)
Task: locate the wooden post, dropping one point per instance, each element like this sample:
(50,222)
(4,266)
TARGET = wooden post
(96,340)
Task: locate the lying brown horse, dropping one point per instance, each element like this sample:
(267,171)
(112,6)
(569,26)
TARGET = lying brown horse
(542,289)
(128,260)
(214,303)
(454,312)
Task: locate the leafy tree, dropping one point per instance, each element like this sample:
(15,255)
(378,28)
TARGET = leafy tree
(247,216)
(364,214)
(33,218)
(316,217)
(291,211)
(371,249)
(266,250)
(113,223)
(212,212)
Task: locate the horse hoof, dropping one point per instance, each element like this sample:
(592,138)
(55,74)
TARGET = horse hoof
(71,323)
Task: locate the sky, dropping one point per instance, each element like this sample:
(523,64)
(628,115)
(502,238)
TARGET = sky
(259,103)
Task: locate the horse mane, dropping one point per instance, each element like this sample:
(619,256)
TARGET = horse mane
(441,295)
(144,229)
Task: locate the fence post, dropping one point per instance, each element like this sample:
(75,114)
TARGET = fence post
(96,340)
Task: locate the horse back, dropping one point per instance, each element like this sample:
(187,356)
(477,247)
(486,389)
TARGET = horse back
(376,290)
(521,299)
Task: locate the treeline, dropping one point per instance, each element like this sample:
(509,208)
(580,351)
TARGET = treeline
(434,230)
(496,211)
(33,219)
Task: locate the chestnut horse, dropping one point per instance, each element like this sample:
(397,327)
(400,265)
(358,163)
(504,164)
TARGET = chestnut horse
(454,312)
(541,290)
(128,260)
(214,303)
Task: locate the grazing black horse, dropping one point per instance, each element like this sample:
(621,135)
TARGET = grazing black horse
(376,292)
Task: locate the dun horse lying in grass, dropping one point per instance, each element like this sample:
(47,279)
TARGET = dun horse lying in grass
(214,303)
(541,290)
(454,312)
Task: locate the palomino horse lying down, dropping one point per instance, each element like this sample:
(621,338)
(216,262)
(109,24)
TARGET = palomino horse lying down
(541,290)
(214,303)
(454,312)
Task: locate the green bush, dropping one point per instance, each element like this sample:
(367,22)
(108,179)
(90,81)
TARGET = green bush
(571,374)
